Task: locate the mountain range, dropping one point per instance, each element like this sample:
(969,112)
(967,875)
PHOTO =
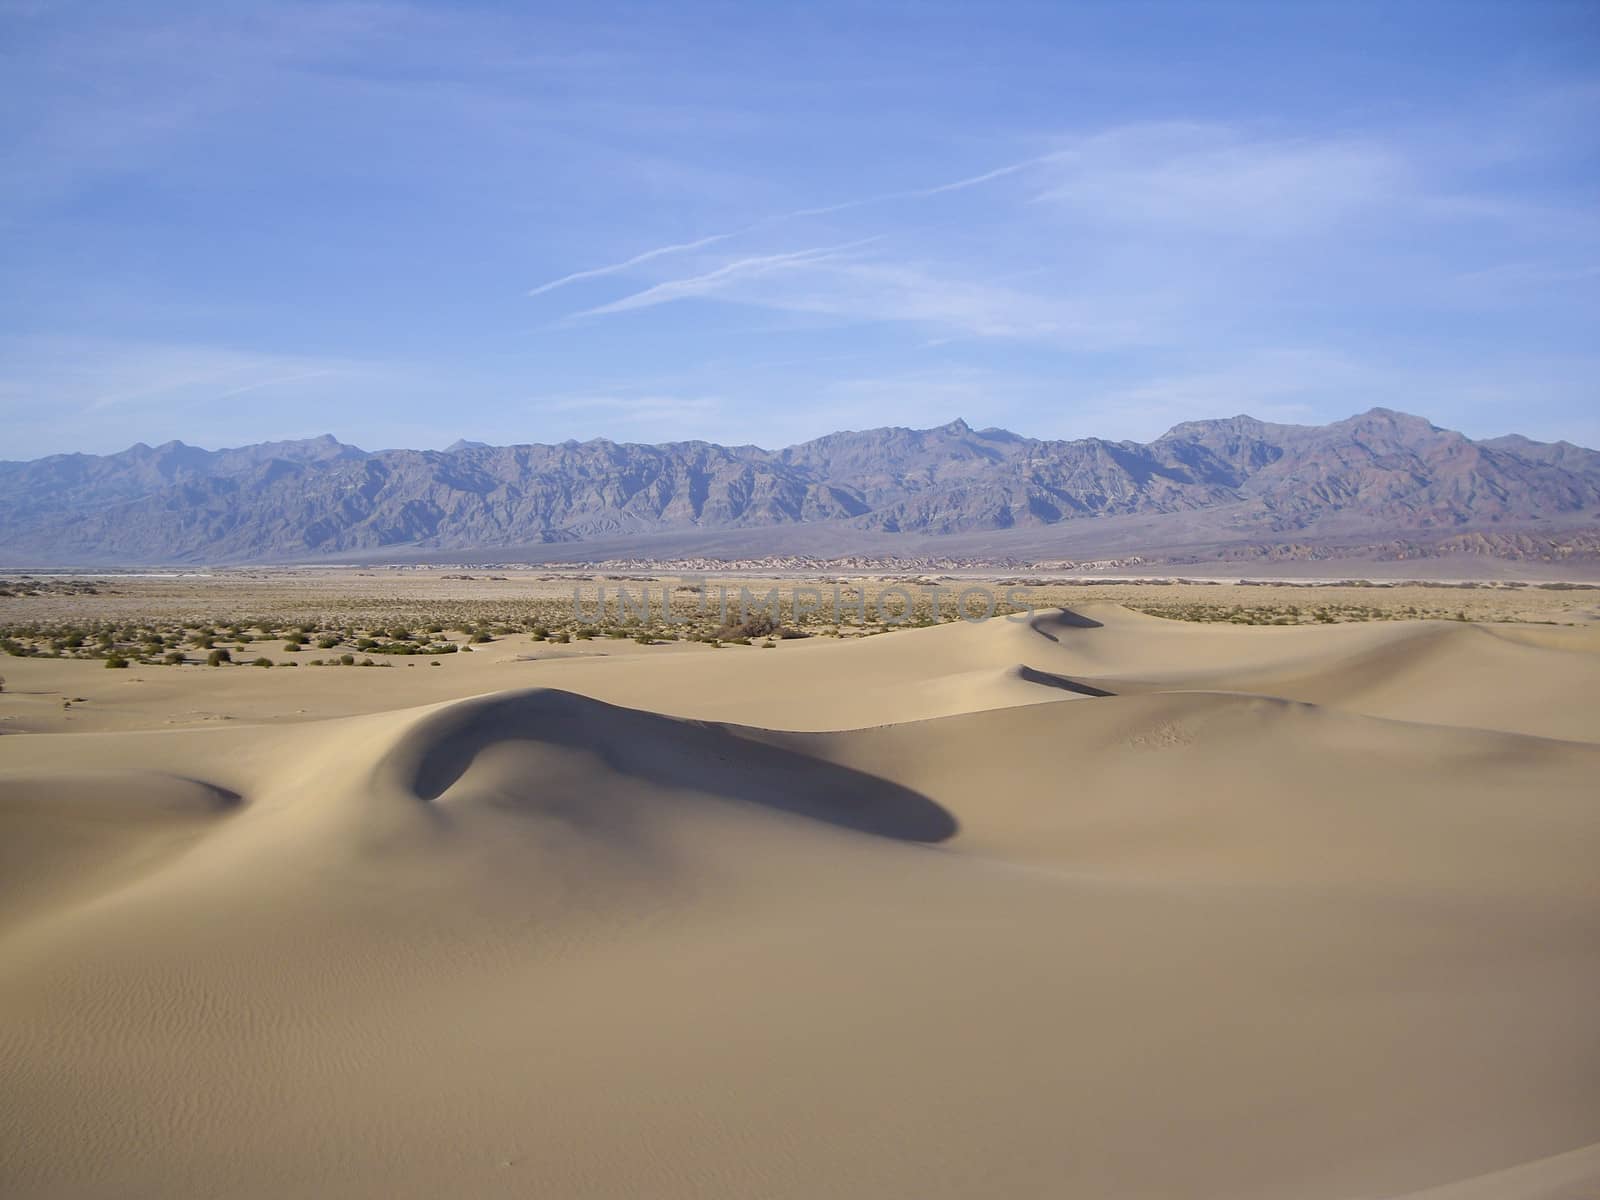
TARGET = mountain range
(1215,482)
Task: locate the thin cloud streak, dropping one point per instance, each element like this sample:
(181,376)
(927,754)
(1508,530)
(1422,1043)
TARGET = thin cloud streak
(696,285)
(658,252)
(922,193)
(794,215)
(280,379)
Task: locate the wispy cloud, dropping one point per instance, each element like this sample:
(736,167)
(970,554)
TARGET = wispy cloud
(626,264)
(275,381)
(926,192)
(98,378)
(1187,177)
(719,279)
(793,215)
(827,282)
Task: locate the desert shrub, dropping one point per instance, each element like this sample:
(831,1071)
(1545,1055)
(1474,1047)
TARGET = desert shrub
(560,636)
(584,635)
(116,661)
(347,660)
(261,662)
(755,625)
(174,658)
(217,657)
(292,647)
(788,633)
(479,638)
(327,643)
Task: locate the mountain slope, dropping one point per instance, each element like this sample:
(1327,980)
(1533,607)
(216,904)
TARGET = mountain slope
(1237,478)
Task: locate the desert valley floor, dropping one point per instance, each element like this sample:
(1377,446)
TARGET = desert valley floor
(1090,904)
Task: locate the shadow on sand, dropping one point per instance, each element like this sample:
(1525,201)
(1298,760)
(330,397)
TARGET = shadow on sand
(666,752)
(1045,623)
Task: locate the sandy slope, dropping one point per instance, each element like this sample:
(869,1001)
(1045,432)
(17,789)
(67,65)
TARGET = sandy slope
(1288,913)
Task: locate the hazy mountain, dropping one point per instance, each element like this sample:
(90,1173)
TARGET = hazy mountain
(1234,479)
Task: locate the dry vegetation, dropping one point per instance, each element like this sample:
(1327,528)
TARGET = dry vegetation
(372,617)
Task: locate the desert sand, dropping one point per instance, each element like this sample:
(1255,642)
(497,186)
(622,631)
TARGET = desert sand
(1094,904)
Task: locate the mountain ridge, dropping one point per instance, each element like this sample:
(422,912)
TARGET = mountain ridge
(1226,479)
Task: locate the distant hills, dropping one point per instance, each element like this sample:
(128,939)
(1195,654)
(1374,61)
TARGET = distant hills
(1235,482)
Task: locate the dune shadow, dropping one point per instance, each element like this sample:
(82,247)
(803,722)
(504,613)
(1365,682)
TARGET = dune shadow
(1034,675)
(1042,623)
(667,752)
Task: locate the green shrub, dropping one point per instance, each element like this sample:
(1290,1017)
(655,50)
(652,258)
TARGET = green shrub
(217,657)
(116,661)
(347,660)
(261,662)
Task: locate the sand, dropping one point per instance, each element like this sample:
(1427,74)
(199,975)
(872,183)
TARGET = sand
(1096,904)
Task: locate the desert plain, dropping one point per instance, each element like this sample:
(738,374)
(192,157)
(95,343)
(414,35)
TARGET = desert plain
(1139,889)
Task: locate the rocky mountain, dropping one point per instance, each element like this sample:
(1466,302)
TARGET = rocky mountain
(1237,479)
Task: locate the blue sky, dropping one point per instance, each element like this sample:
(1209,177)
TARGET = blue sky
(404,224)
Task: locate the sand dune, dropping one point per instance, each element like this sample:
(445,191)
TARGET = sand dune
(1096,905)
